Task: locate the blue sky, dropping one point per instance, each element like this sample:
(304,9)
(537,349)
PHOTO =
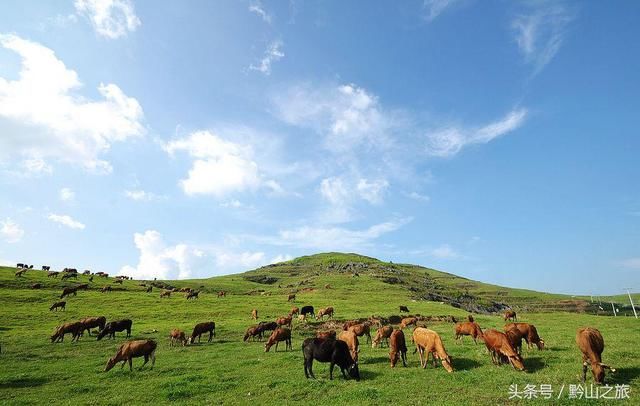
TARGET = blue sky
(494,140)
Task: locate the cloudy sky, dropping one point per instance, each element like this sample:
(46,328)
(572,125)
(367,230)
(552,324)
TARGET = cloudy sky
(494,140)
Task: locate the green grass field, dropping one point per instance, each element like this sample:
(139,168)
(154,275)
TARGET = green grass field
(230,371)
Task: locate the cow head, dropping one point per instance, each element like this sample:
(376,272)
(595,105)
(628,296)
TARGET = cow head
(354,372)
(517,362)
(598,371)
(540,344)
(110,364)
(446,363)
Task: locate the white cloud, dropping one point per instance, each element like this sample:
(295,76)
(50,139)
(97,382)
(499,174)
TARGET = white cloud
(54,121)
(11,232)
(372,191)
(436,7)
(219,167)
(66,221)
(182,261)
(142,196)
(280,258)
(450,140)
(37,167)
(257,7)
(631,263)
(540,31)
(418,196)
(335,191)
(344,191)
(272,54)
(67,195)
(110,18)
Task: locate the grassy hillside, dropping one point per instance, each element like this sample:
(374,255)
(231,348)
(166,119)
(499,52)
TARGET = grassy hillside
(229,371)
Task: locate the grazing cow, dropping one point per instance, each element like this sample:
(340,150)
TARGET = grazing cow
(382,335)
(407,321)
(165,293)
(46,267)
(19,265)
(284,321)
(69,276)
(291,297)
(294,311)
(58,305)
(326,334)
(112,327)
(192,294)
(104,275)
(36,286)
(529,333)
(307,310)
(202,328)
(332,351)
(20,273)
(468,328)
(515,339)
(86,272)
(254,314)
(133,349)
(404,309)
(118,281)
(106,289)
(429,342)
(177,335)
(279,334)
(52,273)
(591,344)
(510,315)
(351,339)
(268,325)
(375,321)
(75,328)
(222,293)
(500,348)
(397,348)
(90,322)
(149,289)
(68,291)
(253,332)
(328,311)
(349,323)
(362,329)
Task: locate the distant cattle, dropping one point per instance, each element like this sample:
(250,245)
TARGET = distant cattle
(336,352)
(201,328)
(69,276)
(177,335)
(36,286)
(20,273)
(46,267)
(106,289)
(20,265)
(510,315)
(291,297)
(52,273)
(222,293)
(382,335)
(165,293)
(192,294)
(118,281)
(328,311)
(591,344)
(278,335)
(397,348)
(133,349)
(404,309)
(86,272)
(149,289)
(68,291)
(112,327)
(58,305)
(254,314)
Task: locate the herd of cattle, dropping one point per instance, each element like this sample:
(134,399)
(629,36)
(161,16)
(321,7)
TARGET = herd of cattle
(505,347)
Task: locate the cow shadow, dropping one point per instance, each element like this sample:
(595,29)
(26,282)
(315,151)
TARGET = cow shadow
(374,360)
(23,382)
(623,375)
(464,364)
(534,364)
(365,374)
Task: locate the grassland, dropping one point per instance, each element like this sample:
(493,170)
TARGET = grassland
(229,371)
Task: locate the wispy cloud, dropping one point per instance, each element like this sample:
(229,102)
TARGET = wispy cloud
(11,231)
(450,140)
(110,18)
(540,31)
(418,196)
(143,196)
(434,8)
(272,54)
(258,8)
(66,195)
(66,221)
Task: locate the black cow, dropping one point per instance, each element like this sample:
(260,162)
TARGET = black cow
(329,350)
(404,309)
(267,326)
(46,267)
(111,327)
(307,310)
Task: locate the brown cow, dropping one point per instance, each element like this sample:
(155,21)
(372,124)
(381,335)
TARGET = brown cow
(75,328)
(68,291)
(90,322)
(330,334)
(222,293)
(201,328)
(429,342)
(468,328)
(254,314)
(500,348)
(349,323)
(382,335)
(53,273)
(177,335)
(591,344)
(325,312)
(193,294)
(253,332)
(529,333)
(291,297)
(119,281)
(165,293)
(397,348)
(133,349)
(470,318)
(36,286)
(515,339)
(407,321)
(279,334)
(284,321)
(294,311)
(58,305)
(510,315)
(361,330)
(351,339)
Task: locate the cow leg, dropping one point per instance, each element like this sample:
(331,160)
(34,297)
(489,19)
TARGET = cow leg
(130,364)
(210,336)
(331,370)
(584,371)
(153,358)
(404,358)
(146,359)
(276,350)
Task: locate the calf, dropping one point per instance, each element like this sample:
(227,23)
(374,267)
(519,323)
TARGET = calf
(382,335)
(429,342)
(468,328)
(202,328)
(133,349)
(407,321)
(404,309)
(75,328)
(591,344)
(291,297)
(500,348)
(351,339)
(68,291)
(284,321)
(90,322)
(58,305)
(332,351)
(529,333)
(361,330)
(177,335)
(397,348)
(510,315)
(328,311)
(253,332)
(254,314)
(279,334)
(112,327)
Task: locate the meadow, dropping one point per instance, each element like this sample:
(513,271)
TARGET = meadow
(230,371)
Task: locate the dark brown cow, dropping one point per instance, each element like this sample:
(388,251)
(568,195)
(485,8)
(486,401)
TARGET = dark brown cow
(528,332)
(68,291)
(397,348)
(510,315)
(201,328)
(500,348)
(58,305)
(291,297)
(279,334)
(75,328)
(133,349)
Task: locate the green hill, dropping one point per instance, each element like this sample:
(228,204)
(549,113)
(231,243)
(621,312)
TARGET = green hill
(230,371)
